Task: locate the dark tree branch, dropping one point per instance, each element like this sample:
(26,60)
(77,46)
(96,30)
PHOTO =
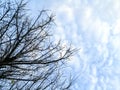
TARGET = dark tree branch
(28,59)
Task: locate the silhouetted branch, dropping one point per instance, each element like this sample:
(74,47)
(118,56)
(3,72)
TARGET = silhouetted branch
(28,59)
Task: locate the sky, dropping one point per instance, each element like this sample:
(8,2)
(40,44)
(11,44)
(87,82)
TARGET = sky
(94,27)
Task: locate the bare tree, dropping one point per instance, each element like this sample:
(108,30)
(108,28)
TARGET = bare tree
(29,59)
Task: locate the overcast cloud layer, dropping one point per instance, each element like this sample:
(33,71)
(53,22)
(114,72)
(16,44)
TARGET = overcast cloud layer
(94,27)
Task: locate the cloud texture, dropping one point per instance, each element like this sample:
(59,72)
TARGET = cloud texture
(94,27)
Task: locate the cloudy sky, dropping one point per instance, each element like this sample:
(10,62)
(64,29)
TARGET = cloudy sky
(94,27)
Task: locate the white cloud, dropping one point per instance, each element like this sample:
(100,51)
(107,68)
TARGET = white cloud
(59,33)
(116,4)
(116,27)
(88,24)
(75,63)
(95,27)
(66,12)
(88,12)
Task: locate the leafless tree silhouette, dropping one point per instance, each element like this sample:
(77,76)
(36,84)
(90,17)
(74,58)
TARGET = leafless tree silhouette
(29,59)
